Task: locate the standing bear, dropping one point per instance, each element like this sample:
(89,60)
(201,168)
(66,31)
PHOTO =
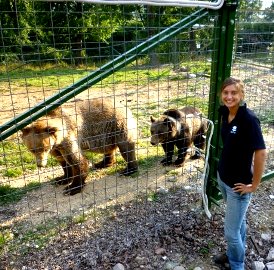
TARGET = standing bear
(179,128)
(99,125)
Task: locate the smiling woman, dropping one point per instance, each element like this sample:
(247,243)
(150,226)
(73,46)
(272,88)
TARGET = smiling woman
(232,96)
(243,145)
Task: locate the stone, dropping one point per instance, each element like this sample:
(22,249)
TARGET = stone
(266,236)
(179,268)
(269,266)
(160,251)
(256,265)
(191,75)
(162,190)
(118,266)
(270,256)
(170,265)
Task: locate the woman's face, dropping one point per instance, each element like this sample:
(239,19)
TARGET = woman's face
(231,96)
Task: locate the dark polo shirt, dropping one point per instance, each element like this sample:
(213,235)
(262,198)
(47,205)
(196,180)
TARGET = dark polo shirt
(241,137)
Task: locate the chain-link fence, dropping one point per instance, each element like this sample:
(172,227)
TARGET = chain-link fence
(125,192)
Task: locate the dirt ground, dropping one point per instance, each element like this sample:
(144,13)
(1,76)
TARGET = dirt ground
(151,221)
(167,231)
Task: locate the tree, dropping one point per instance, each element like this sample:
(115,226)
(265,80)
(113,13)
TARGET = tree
(15,25)
(254,30)
(269,14)
(248,10)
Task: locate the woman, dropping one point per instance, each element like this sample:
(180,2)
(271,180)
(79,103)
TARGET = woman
(240,168)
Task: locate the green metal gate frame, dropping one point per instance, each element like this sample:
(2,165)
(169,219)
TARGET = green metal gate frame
(220,69)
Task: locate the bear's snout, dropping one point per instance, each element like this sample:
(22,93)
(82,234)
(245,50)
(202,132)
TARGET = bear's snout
(154,140)
(41,163)
(42,160)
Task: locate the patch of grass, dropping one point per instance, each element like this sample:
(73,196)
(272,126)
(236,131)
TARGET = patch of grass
(197,66)
(12,172)
(5,236)
(16,159)
(24,240)
(145,131)
(204,251)
(79,219)
(152,196)
(155,109)
(266,117)
(172,173)
(62,75)
(93,157)
(10,153)
(52,161)
(148,155)
(148,162)
(10,194)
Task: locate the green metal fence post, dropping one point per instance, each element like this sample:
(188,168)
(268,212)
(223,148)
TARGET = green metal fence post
(220,69)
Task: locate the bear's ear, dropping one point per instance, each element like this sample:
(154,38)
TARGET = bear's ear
(152,119)
(51,130)
(25,131)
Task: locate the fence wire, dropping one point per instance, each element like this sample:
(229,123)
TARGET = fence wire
(47,46)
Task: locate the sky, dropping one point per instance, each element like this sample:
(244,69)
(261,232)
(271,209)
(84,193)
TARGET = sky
(266,3)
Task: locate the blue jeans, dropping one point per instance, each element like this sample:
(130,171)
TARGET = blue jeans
(235,224)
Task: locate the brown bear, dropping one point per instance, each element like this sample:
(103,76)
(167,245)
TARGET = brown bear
(179,128)
(99,125)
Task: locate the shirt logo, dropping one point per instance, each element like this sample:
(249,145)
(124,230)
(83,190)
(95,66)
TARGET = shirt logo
(234,130)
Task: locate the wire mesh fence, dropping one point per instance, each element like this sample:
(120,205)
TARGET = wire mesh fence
(49,46)
(253,61)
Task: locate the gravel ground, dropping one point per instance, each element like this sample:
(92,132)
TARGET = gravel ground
(162,232)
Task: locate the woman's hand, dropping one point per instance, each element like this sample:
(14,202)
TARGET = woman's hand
(243,188)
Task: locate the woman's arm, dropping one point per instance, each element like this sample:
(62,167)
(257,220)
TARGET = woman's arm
(258,169)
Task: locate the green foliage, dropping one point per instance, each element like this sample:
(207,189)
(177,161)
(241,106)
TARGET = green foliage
(258,40)
(76,33)
(15,158)
(172,173)
(5,237)
(152,196)
(10,194)
(266,116)
(248,8)
(180,102)
(269,14)
(12,172)
(23,241)
(149,161)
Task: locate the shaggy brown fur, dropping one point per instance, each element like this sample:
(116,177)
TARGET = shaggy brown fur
(98,125)
(178,128)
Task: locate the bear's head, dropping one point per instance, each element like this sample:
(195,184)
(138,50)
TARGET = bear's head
(40,139)
(163,129)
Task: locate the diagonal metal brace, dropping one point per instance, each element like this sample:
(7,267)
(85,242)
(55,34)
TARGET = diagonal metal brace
(98,75)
